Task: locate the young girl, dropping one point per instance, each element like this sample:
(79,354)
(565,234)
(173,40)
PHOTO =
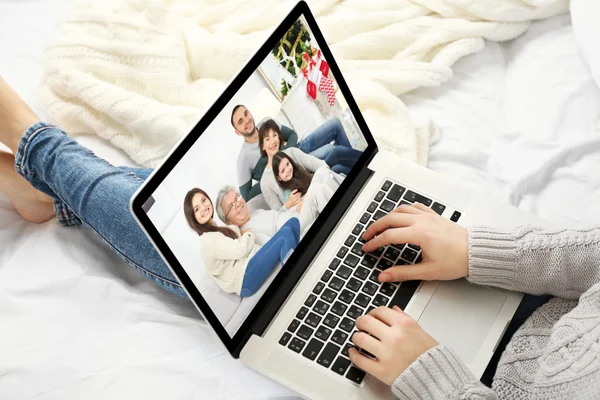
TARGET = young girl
(236,263)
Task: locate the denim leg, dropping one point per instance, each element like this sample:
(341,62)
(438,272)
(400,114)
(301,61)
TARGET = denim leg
(322,152)
(342,156)
(95,192)
(330,131)
(264,261)
(67,217)
(528,305)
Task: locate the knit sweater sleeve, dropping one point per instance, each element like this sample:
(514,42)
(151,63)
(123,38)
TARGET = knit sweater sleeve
(225,248)
(563,263)
(271,191)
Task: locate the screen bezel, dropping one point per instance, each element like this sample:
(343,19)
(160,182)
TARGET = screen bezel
(235,343)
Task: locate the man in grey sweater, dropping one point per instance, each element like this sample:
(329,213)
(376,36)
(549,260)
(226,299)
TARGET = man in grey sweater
(555,354)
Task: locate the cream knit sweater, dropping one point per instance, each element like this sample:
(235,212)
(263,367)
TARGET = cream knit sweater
(140,73)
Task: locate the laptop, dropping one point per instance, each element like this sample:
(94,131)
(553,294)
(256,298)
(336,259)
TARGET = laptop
(297,327)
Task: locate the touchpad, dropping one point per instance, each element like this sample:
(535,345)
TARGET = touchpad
(460,315)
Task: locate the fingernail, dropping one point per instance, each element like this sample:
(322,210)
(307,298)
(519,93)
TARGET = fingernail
(384,277)
(397,308)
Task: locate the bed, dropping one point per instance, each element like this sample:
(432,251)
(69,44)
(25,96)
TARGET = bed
(520,119)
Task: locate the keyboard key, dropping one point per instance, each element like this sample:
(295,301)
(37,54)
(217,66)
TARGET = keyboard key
(351,260)
(334,264)
(350,240)
(318,287)
(374,276)
(346,296)
(409,254)
(323,333)
(310,300)
(293,325)
(331,320)
(387,289)
(297,345)
(354,284)
(438,208)
(313,320)
(372,207)
(365,218)
(339,337)
(396,193)
(370,288)
(361,273)
(361,240)
(329,295)
(362,300)
(355,375)
(340,365)
(387,206)
(404,203)
(378,215)
(416,197)
(321,307)
(328,355)
(398,246)
(354,312)
(336,283)
(342,252)
(339,308)
(419,258)
(347,325)
(285,338)
(392,253)
(344,272)
(346,348)
(326,276)
(380,300)
(302,313)
(384,264)
(386,186)
(369,261)
(313,349)
(401,262)
(378,251)
(357,249)
(357,229)
(414,247)
(304,332)
(455,216)
(379,196)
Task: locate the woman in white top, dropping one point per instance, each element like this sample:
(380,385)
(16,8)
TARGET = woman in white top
(319,182)
(233,259)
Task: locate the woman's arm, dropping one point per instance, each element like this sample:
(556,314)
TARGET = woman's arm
(225,248)
(563,263)
(310,163)
(270,188)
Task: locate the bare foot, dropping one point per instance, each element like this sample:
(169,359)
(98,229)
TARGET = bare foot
(15,116)
(31,204)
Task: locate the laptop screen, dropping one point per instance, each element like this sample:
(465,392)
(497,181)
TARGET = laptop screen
(243,196)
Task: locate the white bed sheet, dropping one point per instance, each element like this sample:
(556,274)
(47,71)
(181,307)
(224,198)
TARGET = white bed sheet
(79,323)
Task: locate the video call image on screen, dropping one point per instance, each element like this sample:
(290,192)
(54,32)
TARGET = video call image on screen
(237,204)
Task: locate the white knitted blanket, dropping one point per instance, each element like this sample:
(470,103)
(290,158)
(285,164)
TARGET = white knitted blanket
(140,73)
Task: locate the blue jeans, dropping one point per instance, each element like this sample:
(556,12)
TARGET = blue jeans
(265,259)
(88,190)
(341,157)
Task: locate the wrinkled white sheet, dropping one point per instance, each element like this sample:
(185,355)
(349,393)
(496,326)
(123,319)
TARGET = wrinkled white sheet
(520,119)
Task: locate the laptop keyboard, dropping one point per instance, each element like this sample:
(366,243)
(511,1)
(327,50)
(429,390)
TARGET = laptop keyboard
(322,328)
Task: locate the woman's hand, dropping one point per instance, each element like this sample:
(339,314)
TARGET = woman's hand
(444,244)
(396,340)
(300,204)
(294,199)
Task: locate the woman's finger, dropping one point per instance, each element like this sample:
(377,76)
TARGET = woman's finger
(370,324)
(392,220)
(424,208)
(369,343)
(386,315)
(408,209)
(390,236)
(400,273)
(363,362)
